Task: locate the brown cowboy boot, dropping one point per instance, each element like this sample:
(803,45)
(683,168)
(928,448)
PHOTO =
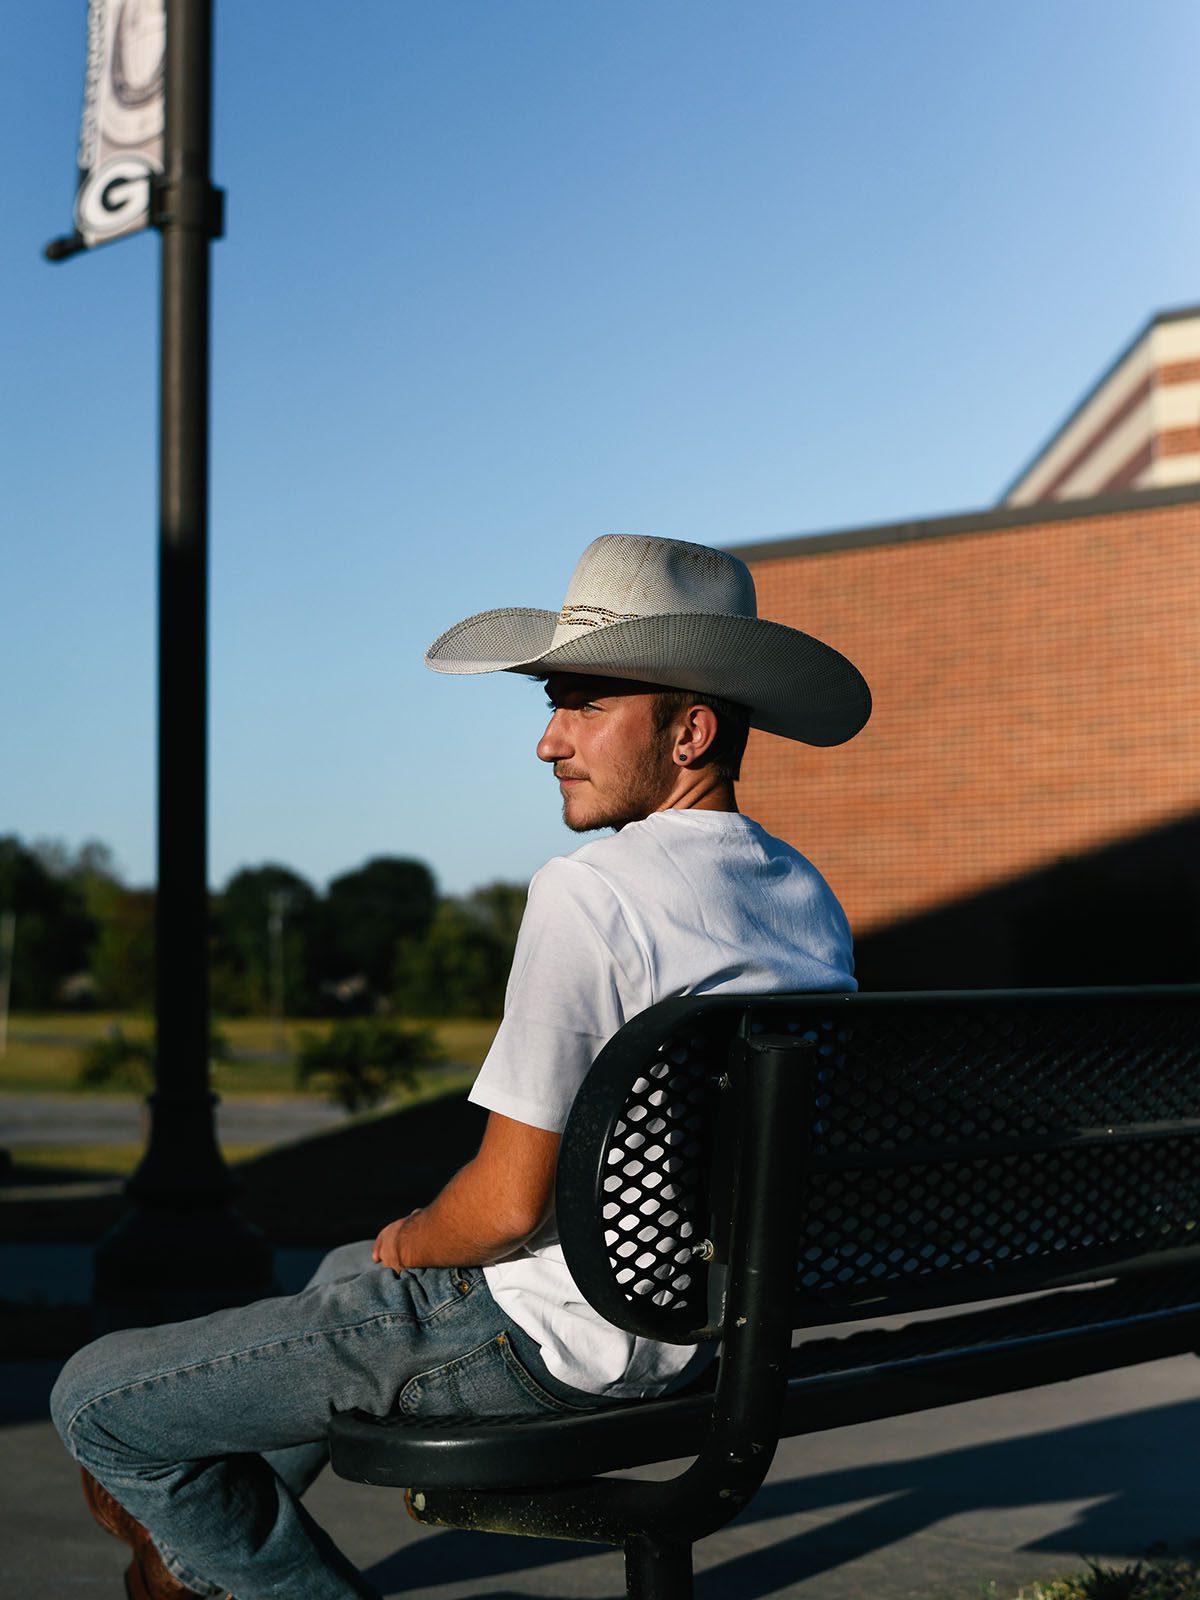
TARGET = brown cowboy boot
(147,1576)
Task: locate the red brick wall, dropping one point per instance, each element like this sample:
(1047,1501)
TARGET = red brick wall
(1037,694)
(1179,441)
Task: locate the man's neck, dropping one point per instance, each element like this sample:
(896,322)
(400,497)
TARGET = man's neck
(698,791)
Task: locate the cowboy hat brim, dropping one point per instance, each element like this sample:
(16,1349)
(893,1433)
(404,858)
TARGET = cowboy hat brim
(792,684)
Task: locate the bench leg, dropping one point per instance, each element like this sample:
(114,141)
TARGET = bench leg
(655,1570)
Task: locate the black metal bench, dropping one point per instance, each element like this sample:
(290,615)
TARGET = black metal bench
(735,1169)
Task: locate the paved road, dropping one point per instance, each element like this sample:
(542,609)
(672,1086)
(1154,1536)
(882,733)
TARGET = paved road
(103,1119)
(932,1507)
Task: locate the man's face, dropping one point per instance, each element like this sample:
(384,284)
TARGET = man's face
(611,763)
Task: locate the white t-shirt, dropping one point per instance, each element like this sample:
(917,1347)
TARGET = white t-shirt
(685,902)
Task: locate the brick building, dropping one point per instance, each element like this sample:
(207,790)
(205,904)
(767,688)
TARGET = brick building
(1024,805)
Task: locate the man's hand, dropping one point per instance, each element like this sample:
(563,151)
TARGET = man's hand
(387,1245)
(487,1210)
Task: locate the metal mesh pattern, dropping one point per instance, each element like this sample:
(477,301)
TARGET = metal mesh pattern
(1044,1208)
(656,1167)
(990,1140)
(940,1073)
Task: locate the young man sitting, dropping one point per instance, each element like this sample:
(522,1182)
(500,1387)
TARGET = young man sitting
(198,1439)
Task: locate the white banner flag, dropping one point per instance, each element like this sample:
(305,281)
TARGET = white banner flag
(121,140)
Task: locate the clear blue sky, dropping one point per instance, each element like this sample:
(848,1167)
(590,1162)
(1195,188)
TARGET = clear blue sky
(503,275)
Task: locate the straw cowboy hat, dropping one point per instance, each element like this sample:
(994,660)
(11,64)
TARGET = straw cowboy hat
(682,615)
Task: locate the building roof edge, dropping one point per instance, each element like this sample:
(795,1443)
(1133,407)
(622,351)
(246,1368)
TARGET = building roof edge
(989,521)
(1177,314)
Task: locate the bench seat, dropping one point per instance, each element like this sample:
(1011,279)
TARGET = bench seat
(854,1377)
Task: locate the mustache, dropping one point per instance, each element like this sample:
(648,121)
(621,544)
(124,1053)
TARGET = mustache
(561,772)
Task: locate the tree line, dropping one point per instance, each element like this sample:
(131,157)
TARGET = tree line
(379,937)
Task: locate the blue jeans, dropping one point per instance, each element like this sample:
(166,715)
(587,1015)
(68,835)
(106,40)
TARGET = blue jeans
(209,1431)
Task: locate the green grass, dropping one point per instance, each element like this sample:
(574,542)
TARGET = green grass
(36,1063)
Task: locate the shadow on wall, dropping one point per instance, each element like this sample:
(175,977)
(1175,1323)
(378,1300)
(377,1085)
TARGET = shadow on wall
(1129,913)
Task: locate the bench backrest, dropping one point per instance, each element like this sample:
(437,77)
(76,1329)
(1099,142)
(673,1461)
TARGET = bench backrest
(949,1147)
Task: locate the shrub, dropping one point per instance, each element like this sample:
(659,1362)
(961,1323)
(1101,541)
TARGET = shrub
(360,1063)
(119,1062)
(1147,1580)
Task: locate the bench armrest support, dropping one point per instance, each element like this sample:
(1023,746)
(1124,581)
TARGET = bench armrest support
(770,1089)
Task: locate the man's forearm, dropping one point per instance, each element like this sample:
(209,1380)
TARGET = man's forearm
(449,1232)
(487,1210)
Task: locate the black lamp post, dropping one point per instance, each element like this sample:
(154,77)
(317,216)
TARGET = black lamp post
(182,1248)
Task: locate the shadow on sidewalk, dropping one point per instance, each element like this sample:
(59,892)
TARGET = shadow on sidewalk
(1117,1460)
(1143,1468)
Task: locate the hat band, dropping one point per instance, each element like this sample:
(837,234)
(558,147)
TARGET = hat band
(593,617)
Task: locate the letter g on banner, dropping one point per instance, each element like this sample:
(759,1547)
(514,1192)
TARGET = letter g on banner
(114,199)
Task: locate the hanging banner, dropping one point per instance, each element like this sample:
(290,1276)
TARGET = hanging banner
(121,139)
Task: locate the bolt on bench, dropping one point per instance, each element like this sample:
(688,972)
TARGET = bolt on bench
(736,1168)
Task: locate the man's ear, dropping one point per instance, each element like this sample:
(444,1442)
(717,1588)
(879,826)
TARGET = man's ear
(695,732)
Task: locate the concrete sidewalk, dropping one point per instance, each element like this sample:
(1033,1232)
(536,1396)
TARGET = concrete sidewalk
(935,1506)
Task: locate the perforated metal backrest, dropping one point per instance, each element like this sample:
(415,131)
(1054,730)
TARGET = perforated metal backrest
(635,1168)
(966,1145)
(957,1146)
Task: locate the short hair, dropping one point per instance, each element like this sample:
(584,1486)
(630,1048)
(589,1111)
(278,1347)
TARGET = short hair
(733,726)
